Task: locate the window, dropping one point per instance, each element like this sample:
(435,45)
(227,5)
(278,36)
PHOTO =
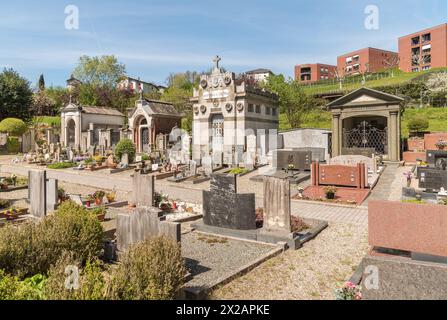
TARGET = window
(250,107)
(426,68)
(415,70)
(415,41)
(426,48)
(427,59)
(426,37)
(258,109)
(349,69)
(268,110)
(356,67)
(273,111)
(348,60)
(356,58)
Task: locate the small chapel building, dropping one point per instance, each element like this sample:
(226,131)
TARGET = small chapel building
(225,110)
(150,118)
(86,126)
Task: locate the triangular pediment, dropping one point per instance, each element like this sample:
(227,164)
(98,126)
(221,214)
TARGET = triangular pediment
(365,96)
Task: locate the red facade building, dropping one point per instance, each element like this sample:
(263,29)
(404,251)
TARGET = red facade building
(307,73)
(366,60)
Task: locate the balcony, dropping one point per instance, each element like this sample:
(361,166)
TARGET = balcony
(415,41)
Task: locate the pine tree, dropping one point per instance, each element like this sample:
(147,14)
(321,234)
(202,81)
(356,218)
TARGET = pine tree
(41,83)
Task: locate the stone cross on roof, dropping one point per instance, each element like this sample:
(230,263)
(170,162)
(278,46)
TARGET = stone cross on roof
(216,60)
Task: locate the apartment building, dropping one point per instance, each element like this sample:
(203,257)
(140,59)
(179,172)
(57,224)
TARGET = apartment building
(366,60)
(424,50)
(307,73)
(136,85)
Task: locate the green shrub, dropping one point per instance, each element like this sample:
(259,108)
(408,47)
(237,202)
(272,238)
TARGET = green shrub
(32,248)
(418,124)
(62,165)
(125,146)
(12,126)
(152,270)
(92,284)
(237,171)
(11,288)
(13,145)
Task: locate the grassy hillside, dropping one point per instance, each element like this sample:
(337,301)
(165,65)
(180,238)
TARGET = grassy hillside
(373,80)
(322,119)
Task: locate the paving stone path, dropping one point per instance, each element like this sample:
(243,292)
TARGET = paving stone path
(390,184)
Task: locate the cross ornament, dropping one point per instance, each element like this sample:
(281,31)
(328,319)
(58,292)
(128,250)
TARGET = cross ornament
(216,60)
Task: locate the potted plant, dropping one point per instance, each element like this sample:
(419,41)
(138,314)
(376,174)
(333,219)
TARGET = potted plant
(98,196)
(88,202)
(3,184)
(12,213)
(111,196)
(100,212)
(330,192)
(408,175)
(88,162)
(441,144)
(62,196)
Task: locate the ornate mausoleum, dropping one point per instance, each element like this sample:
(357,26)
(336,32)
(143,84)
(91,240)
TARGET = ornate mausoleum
(367,120)
(150,118)
(86,126)
(224,109)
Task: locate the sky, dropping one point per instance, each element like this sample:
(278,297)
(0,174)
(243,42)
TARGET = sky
(154,38)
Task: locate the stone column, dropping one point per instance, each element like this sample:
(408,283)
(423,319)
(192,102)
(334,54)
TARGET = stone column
(277,205)
(393,145)
(336,147)
(63,137)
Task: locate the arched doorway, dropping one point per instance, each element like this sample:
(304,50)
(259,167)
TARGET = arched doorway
(217,138)
(71,133)
(142,134)
(366,132)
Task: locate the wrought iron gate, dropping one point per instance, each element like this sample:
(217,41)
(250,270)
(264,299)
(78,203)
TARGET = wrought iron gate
(366,136)
(145,147)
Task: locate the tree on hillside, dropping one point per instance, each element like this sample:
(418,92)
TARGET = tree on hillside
(60,97)
(41,83)
(294,103)
(101,71)
(43,105)
(16,96)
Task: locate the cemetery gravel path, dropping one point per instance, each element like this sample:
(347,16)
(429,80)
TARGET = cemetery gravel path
(310,273)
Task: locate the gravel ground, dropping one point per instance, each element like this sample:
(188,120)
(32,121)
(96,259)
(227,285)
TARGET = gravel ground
(210,258)
(311,273)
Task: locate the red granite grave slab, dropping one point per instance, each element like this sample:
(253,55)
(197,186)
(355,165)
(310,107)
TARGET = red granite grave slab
(432,138)
(343,195)
(412,157)
(419,228)
(339,175)
(416,144)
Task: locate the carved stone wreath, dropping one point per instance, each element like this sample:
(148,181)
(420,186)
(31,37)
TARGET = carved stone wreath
(240,107)
(227,80)
(229,107)
(196,110)
(203,109)
(203,83)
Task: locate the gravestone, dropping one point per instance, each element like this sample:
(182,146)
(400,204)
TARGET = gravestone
(207,164)
(250,157)
(217,159)
(52,197)
(161,142)
(142,224)
(437,159)
(298,160)
(367,152)
(354,160)
(223,207)
(110,162)
(37,193)
(42,193)
(143,190)
(125,159)
(432,179)
(186,146)
(277,216)
(192,167)
(70,154)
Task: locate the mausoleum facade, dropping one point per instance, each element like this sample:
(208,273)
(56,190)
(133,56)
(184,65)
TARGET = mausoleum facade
(225,111)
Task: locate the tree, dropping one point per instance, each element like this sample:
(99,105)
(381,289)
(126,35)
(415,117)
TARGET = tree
(43,105)
(418,124)
(294,103)
(16,96)
(101,71)
(41,83)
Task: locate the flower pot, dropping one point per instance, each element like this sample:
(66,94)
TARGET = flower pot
(330,196)
(88,204)
(110,199)
(98,202)
(4,187)
(101,217)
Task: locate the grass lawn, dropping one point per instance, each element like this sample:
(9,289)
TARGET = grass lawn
(322,119)
(375,80)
